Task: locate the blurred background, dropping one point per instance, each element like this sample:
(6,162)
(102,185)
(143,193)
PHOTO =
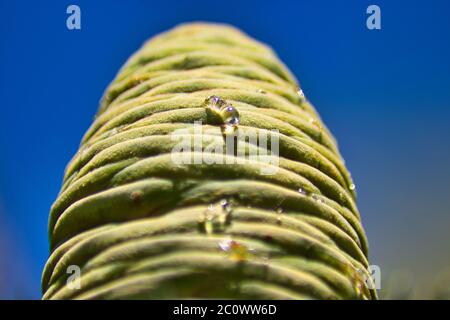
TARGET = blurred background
(385,94)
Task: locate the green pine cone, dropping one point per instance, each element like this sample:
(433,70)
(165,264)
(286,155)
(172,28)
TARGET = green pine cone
(140,225)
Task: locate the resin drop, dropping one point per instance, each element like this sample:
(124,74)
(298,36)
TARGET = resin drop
(214,103)
(230,118)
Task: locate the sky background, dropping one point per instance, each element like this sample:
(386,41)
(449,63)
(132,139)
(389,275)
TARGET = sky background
(385,95)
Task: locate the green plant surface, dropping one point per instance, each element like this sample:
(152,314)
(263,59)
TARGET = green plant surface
(143,227)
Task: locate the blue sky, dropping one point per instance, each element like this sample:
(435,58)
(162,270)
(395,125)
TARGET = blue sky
(385,94)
